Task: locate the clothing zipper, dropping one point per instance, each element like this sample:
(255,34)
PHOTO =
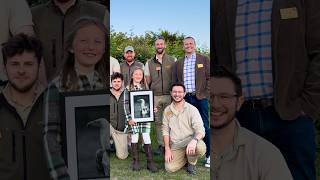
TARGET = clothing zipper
(24,157)
(161,78)
(54,63)
(13,146)
(117,115)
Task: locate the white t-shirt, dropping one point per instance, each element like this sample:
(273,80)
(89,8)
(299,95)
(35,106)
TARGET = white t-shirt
(14,16)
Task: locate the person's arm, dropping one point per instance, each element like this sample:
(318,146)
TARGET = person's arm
(147,73)
(207,66)
(127,107)
(197,123)
(166,138)
(20,18)
(310,96)
(115,65)
(52,135)
(198,128)
(174,75)
(271,164)
(168,154)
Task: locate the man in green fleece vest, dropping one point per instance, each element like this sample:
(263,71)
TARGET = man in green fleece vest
(21,140)
(158,76)
(117,116)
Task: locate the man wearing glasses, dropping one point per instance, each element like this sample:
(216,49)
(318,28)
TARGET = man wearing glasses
(238,153)
(183,132)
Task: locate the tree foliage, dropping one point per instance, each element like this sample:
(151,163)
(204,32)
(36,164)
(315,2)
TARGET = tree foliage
(37,2)
(144,44)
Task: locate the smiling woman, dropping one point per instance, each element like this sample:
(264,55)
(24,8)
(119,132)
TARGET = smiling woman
(86,56)
(84,70)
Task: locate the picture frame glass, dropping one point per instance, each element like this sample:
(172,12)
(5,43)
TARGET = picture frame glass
(86,134)
(142,105)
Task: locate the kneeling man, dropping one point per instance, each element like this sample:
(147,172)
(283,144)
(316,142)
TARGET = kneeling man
(183,132)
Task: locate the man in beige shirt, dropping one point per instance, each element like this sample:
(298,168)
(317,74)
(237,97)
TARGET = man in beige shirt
(238,154)
(183,132)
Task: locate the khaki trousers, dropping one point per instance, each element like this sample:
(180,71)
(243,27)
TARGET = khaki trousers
(120,142)
(160,102)
(180,158)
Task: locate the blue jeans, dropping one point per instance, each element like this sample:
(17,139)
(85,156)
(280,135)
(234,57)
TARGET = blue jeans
(203,106)
(294,138)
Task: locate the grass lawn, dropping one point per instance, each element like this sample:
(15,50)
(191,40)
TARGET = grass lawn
(121,169)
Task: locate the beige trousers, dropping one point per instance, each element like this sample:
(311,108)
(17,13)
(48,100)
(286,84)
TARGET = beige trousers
(160,102)
(120,142)
(180,158)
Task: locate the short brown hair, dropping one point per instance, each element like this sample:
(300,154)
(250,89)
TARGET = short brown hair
(20,43)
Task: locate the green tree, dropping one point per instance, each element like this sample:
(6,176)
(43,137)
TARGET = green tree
(144,44)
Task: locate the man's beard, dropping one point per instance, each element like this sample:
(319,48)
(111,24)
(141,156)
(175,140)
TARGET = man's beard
(129,60)
(160,51)
(118,89)
(181,99)
(23,89)
(222,125)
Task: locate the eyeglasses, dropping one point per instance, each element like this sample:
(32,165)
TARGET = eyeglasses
(177,92)
(223,98)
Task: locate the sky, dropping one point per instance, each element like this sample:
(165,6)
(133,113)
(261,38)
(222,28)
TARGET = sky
(188,17)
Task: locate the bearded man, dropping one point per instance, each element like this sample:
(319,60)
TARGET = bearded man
(158,75)
(21,140)
(183,132)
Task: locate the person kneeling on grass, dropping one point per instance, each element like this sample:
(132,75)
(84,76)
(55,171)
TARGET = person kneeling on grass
(183,132)
(117,116)
(137,83)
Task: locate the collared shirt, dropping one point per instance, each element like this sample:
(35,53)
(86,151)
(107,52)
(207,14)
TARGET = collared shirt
(114,65)
(23,110)
(189,75)
(253,48)
(14,15)
(115,94)
(249,157)
(181,126)
(89,82)
(146,67)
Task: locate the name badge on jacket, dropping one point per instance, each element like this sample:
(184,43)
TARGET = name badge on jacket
(200,65)
(289,13)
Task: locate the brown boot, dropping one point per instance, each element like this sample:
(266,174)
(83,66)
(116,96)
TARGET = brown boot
(150,163)
(135,157)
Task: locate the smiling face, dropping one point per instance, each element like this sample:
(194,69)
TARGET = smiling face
(177,94)
(160,46)
(223,101)
(116,84)
(137,76)
(129,56)
(22,71)
(88,46)
(189,45)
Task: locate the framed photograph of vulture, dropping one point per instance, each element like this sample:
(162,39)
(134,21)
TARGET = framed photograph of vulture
(86,134)
(141,105)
